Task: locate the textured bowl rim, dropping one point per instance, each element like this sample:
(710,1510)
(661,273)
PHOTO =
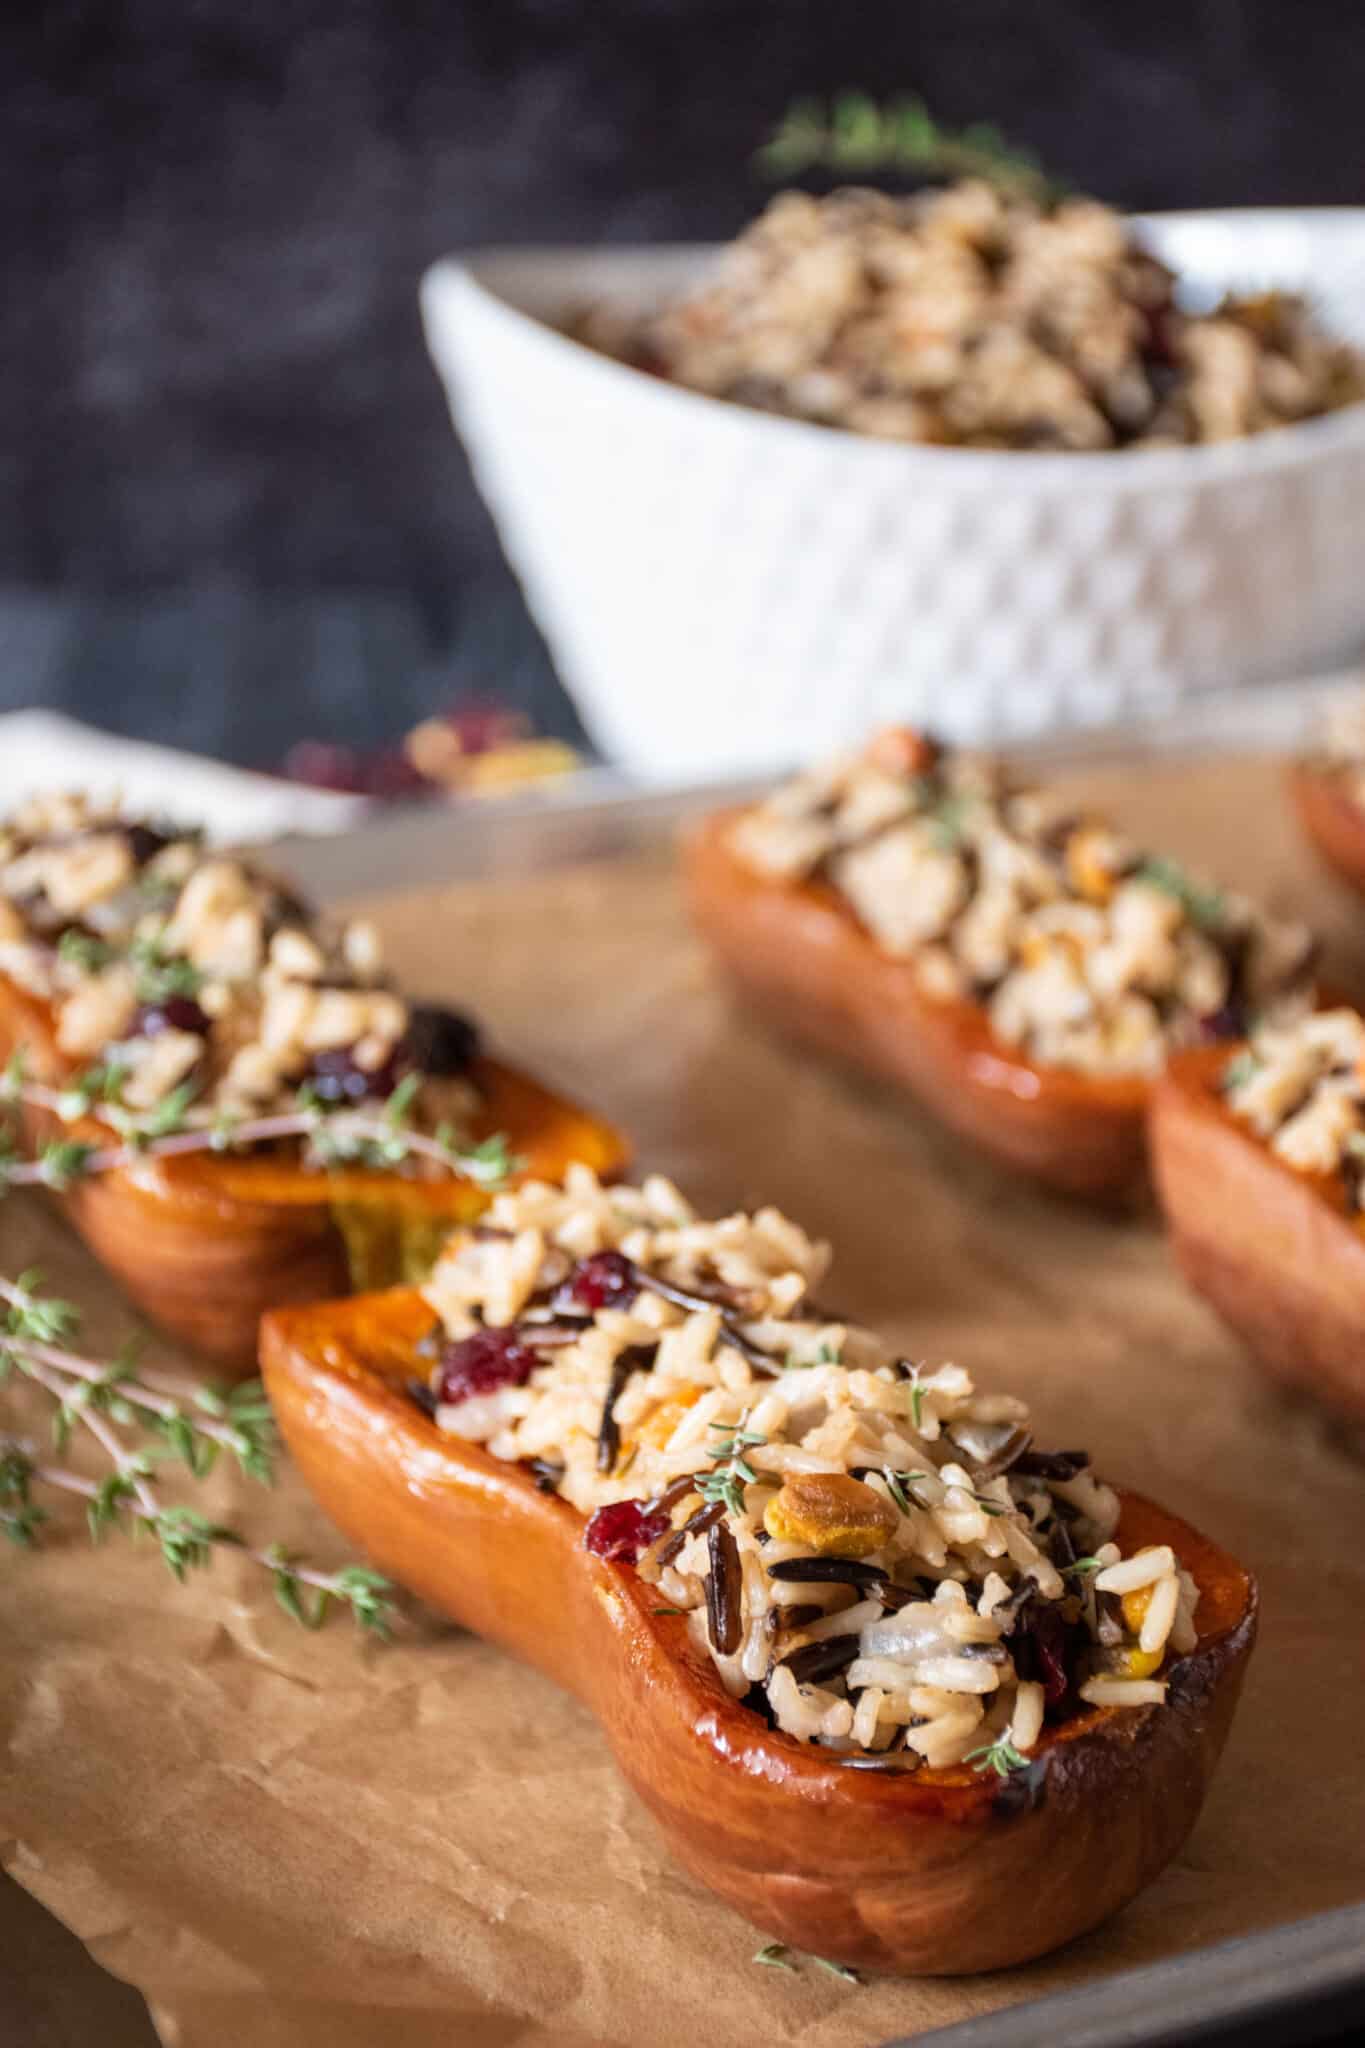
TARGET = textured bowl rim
(479,277)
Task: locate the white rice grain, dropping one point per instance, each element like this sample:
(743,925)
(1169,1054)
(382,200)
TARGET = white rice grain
(1132,1573)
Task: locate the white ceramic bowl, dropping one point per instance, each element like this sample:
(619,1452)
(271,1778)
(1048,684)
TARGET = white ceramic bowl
(726,591)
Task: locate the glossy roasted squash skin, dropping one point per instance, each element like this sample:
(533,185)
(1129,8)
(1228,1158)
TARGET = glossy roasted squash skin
(1333,819)
(205,1243)
(936,1873)
(1272,1249)
(798,953)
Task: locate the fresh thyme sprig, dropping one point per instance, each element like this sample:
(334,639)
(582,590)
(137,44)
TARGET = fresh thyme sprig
(194,1424)
(162,975)
(84,951)
(1001,1757)
(19,1517)
(917,1392)
(856,135)
(825,1354)
(776,1955)
(175,1126)
(898,1485)
(186,1538)
(988,1503)
(732,1472)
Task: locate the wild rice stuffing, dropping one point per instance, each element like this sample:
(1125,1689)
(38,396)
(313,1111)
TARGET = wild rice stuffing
(875,1556)
(1086,951)
(970,317)
(192,972)
(1303,1090)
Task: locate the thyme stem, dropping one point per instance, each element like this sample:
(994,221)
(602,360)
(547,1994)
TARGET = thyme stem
(103,1396)
(202,1136)
(123,1460)
(63,1480)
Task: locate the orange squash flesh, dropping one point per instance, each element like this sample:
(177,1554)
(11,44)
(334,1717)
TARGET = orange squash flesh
(799,954)
(1333,819)
(205,1243)
(936,1873)
(1272,1249)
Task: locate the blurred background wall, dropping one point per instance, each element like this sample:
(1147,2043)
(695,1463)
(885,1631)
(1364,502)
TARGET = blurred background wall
(232,511)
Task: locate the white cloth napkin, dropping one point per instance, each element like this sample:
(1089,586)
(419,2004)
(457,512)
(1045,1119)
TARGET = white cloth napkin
(42,750)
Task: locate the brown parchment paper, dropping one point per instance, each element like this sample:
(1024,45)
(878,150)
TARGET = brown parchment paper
(286,1839)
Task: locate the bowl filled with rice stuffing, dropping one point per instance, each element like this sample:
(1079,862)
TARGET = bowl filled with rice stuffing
(965,457)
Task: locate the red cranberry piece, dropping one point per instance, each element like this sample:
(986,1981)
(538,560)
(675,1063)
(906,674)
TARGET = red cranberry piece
(623,1531)
(484,1362)
(336,1076)
(390,773)
(323,765)
(1041,1649)
(176,1013)
(1160,342)
(606,1280)
(440,1042)
(1229,1022)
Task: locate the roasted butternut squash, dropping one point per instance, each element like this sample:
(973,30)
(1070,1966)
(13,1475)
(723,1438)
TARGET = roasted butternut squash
(205,1242)
(797,952)
(1272,1248)
(937,1872)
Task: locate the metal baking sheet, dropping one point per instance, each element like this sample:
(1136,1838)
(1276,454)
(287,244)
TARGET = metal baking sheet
(1302,1982)
(600,814)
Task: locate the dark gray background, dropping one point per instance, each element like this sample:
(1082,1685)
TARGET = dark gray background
(231,508)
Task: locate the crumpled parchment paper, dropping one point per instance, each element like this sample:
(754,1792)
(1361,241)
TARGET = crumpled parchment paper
(316,1842)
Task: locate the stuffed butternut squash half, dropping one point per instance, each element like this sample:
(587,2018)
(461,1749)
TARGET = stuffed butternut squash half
(232,1100)
(1259,1158)
(901,1685)
(1023,970)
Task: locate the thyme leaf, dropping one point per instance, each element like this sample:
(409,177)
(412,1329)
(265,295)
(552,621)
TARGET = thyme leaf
(177,1420)
(732,1472)
(840,1970)
(83,951)
(1001,1757)
(825,1354)
(1204,906)
(898,1485)
(856,136)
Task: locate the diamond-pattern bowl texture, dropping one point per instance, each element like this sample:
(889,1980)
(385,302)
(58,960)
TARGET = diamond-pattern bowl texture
(724,591)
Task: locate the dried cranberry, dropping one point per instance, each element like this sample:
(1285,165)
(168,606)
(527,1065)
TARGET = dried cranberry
(606,1280)
(440,1042)
(176,1013)
(1229,1022)
(336,1076)
(483,1363)
(1161,342)
(625,1529)
(1039,1643)
(324,766)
